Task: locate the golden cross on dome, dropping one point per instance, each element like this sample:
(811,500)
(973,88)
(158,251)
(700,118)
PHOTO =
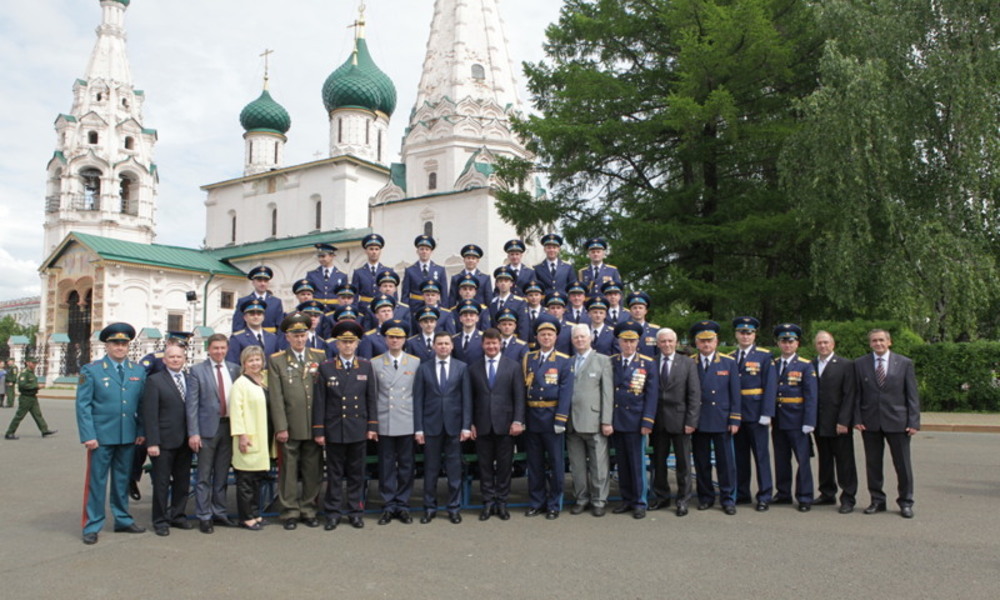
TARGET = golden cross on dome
(267,55)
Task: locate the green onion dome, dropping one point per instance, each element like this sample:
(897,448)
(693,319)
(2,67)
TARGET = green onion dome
(265,114)
(359,83)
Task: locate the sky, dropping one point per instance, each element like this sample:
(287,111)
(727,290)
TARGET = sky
(199,64)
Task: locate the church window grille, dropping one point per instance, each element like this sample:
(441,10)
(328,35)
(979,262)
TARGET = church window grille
(227,299)
(175,322)
(127,193)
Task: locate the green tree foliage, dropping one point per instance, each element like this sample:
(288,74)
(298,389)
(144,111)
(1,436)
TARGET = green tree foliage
(660,124)
(895,167)
(9,327)
(958,377)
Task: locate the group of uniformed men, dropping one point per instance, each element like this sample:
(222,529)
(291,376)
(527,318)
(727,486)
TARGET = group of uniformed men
(537,358)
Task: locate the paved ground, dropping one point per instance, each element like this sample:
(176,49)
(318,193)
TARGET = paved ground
(949,550)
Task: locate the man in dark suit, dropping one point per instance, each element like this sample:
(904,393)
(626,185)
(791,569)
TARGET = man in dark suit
(553,273)
(888,411)
(498,416)
(834,442)
(207,404)
(164,419)
(676,419)
(344,417)
(442,418)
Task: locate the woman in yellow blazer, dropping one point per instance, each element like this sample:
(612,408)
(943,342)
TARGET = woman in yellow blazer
(248,424)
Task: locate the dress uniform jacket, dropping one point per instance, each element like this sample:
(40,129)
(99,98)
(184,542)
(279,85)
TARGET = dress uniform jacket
(273,314)
(465,352)
(417,346)
(482,325)
(244,337)
(606,342)
(514,349)
(413,276)
(345,406)
(372,345)
(524,274)
(758,385)
(325,291)
(445,323)
(605,273)
(571,316)
(108,406)
(636,393)
(720,394)
(484,293)
(797,403)
(647,343)
(153,363)
(395,393)
(550,390)
(517,304)
(563,276)
(291,386)
(363,280)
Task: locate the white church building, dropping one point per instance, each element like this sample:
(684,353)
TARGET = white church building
(102,264)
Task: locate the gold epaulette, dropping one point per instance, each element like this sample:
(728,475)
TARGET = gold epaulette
(371,331)
(269,329)
(317,351)
(643,356)
(724,354)
(277,354)
(239,332)
(653,325)
(560,354)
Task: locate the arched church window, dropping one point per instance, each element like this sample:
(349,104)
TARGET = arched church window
(379,159)
(128,192)
(274,222)
(275,152)
(91,179)
(340,131)
(429,228)
(368,131)
(53,194)
(129,143)
(232,231)
(91,137)
(319,215)
(432,181)
(100,97)
(478,72)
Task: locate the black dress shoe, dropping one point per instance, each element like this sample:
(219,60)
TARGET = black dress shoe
(533,512)
(310,521)
(206,526)
(658,504)
(578,508)
(291,524)
(485,515)
(824,500)
(385,518)
(729,510)
(182,523)
(404,517)
(621,508)
(224,521)
(704,505)
(428,517)
(133,528)
(50,432)
(874,507)
(804,507)
(639,513)
(331,523)
(455,518)
(133,491)
(781,501)
(503,513)
(599,511)
(356,521)
(552,514)
(762,507)
(846,509)
(10,436)
(682,510)
(90,539)
(162,531)
(906,512)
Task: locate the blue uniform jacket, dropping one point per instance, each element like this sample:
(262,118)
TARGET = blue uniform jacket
(153,363)
(108,406)
(564,275)
(550,390)
(325,291)
(720,394)
(647,343)
(416,346)
(483,294)
(605,274)
(241,339)
(524,275)
(798,394)
(273,314)
(372,345)
(637,390)
(412,278)
(758,385)
(517,304)
(606,342)
(363,281)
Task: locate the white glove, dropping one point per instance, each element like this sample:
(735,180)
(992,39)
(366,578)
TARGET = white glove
(765,420)
(560,429)
(807,429)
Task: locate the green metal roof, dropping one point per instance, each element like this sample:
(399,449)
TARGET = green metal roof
(397,174)
(289,243)
(18,340)
(156,255)
(69,118)
(265,114)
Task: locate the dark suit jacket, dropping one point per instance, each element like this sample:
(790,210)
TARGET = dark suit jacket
(679,402)
(163,412)
(837,395)
(494,409)
(345,402)
(894,407)
(444,409)
(202,400)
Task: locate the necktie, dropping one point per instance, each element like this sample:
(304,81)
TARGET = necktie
(373,270)
(784,366)
(180,383)
(880,372)
(326,274)
(395,363)
(260,340)
(121,372)
(596,270)
(499,304)
(504,348)
(614,316)
(347,365)
(741,357)
(705,363)
(221,387)
(579,362)
(552,270)
(465,342)
(664,371)
(427,342)
(443,376)
(492,373)
(425,271)
(534,315)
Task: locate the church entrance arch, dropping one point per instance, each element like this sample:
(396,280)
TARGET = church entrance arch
(78,330)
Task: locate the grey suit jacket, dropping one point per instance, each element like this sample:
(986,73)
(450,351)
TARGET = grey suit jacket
(202,400)
(395,393)
(894,407)
(593,394)
(679,403)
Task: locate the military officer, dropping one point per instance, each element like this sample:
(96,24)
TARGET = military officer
(468,342)
(576,309)
(374,343)
(522,273)
(108,400)
(794,419)
(467,290)
(510,345)
(758,385)
(345,415)
(638,304)
(598,272)
(388,284)
(548,376)
(422,270)
(11,382)
(431,294)
(534,295)
(303,291)
(603,339)
(636,395)
(421,344)
(718,421)
(27,384)
(364,278)
(506,297)
(260,277)
(255,334)
(395,371)
(314,310)
(612,292)
(553,273)
(292,378)
(471,255)
(326,277)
